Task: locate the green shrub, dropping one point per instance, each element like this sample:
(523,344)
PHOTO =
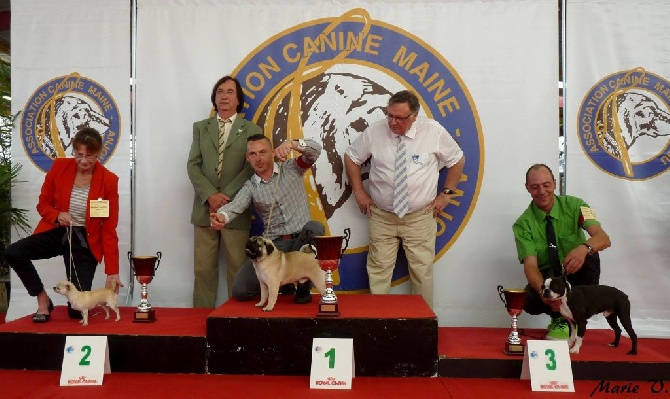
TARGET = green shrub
(9,215)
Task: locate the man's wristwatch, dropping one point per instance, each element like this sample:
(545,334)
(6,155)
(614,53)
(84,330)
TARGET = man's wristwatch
(301,143)
(590,248)
(448,191)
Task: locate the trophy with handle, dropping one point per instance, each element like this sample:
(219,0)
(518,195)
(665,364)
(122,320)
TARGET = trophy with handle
(329,250)
(144,268)
(514,300)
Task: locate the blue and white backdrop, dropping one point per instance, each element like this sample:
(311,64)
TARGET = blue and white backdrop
(617,119)
(487,70)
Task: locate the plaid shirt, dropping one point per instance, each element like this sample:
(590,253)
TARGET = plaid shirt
(284,195)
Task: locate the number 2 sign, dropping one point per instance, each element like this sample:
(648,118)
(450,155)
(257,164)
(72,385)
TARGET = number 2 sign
(332,363)
(85,360)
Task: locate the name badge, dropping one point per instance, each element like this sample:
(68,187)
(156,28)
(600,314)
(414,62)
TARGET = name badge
(99,208)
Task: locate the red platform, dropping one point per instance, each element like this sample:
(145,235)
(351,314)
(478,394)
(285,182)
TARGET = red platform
(393,336)
(178,342)
(353,306)
(478,353)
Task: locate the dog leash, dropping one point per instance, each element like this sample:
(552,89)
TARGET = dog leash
(69,229)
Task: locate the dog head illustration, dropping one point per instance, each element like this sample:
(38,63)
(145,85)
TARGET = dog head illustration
(64,119)
(632,114)
(335,109)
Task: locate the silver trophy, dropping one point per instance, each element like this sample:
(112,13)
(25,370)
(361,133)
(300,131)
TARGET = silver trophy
(514,300)
(329,250)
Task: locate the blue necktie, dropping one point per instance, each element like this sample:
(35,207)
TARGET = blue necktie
(400,191)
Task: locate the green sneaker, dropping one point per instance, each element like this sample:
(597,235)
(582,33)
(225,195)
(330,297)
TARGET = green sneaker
(558,330)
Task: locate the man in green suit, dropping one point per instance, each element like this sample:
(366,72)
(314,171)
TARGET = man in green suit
(218,169)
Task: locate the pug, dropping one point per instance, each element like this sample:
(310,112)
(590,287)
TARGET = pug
(87,300)
(275,268)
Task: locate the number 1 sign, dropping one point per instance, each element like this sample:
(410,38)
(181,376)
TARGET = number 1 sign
(332,363)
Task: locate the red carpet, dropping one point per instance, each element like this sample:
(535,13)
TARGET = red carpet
(171,321)
(351,306)
(45,384)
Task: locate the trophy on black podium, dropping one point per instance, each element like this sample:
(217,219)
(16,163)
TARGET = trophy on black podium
(144,268)
(514,300)
(329,250)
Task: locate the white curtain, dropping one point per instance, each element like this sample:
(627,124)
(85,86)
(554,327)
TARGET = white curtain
(618,129)
(70,65)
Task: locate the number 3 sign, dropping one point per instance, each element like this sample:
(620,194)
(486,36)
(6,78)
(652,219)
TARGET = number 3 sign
(547,364)
(85,360)
(332,363)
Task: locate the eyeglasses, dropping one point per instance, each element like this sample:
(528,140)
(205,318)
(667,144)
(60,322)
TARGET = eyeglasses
(79,157)
(391,118)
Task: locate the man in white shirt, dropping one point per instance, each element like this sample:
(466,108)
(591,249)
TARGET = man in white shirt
(403,196)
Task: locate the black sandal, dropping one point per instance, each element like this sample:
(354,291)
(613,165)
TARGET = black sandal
(43,318)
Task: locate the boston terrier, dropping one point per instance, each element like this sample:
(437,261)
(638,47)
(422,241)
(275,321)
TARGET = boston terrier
(581,302)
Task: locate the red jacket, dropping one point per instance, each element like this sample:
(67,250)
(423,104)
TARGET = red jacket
(55,198)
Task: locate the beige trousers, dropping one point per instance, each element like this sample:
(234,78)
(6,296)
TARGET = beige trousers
(416,231)
(206,261)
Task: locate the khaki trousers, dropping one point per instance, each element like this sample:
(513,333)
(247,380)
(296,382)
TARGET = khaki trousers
(206,261)
(416,231)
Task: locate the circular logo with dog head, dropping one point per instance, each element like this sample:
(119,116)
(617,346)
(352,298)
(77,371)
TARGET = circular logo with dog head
(328,80)
(624,124)
(57,110)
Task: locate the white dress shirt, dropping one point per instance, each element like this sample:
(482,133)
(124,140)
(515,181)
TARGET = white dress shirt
(430,148)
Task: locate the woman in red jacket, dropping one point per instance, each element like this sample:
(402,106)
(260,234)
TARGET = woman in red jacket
(79,206)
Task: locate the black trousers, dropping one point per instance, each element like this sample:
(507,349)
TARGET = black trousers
(589,274)
(50,244)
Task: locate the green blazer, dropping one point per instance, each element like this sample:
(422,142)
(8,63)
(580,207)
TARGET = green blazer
(202,162)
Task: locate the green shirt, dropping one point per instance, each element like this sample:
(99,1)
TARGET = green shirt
(570,215)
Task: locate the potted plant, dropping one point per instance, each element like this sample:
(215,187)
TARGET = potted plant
(9,215)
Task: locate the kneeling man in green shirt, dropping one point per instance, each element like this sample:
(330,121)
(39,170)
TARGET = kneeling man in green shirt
(578,256)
